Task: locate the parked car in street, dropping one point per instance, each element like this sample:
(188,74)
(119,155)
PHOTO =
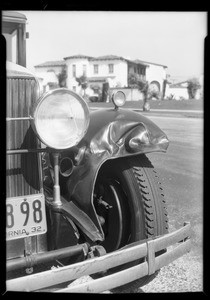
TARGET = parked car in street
(82,196)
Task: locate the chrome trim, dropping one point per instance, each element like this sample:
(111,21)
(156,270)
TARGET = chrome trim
(20,151)
(19,119)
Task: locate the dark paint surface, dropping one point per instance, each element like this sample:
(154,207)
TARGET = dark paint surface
(106,138)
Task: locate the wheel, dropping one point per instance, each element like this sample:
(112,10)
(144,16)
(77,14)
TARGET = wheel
(129,201)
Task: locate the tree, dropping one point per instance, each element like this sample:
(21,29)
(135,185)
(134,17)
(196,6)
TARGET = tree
(132,82)
(192,87)
(82,80)
(135,81)
(105,91)
(62,77)
(143,86)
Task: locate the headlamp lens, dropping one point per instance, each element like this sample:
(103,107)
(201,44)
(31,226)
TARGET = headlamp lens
(61,119)
(118,98)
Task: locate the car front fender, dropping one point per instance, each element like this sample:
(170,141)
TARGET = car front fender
(111,134)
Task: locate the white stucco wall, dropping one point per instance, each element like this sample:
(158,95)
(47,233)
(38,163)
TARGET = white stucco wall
(118,77)
(121,72)
(180,93)
(79,62)
(177,93)
(130,94)
(43,72)
(156,73)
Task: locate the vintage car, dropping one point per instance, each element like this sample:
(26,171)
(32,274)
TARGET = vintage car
(82,198)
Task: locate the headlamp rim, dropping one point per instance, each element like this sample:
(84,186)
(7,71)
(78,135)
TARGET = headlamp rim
(114,98)
(37,104)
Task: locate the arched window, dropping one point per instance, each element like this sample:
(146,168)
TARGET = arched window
(155,86)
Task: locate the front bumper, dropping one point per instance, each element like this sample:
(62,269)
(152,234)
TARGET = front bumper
(49,280)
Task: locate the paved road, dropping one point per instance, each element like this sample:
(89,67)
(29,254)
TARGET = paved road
(163,112)
(159,110)
(181,172)
(181,168)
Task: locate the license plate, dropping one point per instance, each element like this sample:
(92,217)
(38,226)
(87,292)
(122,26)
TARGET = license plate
(25,216)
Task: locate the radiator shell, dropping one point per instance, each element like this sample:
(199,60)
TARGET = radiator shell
(23,171)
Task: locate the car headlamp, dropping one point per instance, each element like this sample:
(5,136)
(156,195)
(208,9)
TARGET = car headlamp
(60,118)
(118,98)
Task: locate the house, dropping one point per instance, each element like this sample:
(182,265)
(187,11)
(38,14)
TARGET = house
(98,70)
(177,91)
(155,75)
(178,88)
(48,72)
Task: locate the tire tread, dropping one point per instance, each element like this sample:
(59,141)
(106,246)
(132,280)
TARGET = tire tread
(148,202)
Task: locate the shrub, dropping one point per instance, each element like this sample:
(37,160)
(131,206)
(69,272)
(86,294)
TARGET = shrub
(192,87)
(62,77)
(170,97)
(154,94)
(83,82)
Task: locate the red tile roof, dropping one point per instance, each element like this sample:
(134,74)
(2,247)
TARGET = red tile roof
(146,63)
(53,63)
(108,57)
(104,57)
(78,56)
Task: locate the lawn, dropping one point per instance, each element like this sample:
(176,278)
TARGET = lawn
(158,104)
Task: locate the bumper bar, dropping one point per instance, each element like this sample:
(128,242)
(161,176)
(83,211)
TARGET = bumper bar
(135,251)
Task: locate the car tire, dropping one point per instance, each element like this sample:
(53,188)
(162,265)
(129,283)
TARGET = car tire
(139,207)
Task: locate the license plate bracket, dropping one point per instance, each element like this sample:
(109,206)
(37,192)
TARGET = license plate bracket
(25,216)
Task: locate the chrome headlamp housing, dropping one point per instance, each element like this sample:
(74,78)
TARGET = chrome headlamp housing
(60,118)
(118,98)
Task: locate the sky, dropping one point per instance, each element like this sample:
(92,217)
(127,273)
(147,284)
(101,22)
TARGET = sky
(174,39)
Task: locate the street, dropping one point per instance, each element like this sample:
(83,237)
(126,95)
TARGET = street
(181,173)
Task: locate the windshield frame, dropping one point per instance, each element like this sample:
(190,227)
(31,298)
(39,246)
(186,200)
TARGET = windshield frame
(14,26)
